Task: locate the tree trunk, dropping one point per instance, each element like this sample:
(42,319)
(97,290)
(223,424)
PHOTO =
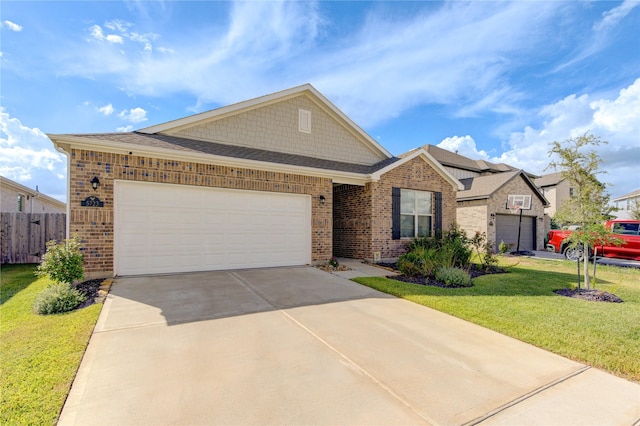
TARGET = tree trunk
(587,281)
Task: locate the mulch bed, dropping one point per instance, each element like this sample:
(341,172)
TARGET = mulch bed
(90,289)
(431,281)
(591,295)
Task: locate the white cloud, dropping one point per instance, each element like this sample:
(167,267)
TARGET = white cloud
(106,110)
(125,128)
(114,38)
(611,17)
(134,115)
(28,157)
(97,33)
(12,26)
(118,25)
(457,53)
(463,145)
(615,120)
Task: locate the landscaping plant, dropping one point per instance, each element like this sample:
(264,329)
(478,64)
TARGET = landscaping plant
(63,264)
(453,277)
(484,251)
(57,298)
(589,207)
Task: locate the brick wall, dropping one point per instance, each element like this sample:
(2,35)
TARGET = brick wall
(473,216)
(95,225)
(352,221)
(363,217)
(275,128)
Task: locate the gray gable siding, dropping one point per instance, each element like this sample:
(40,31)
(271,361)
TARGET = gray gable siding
(274,128)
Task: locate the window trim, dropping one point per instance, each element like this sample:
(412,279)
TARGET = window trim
(417,215)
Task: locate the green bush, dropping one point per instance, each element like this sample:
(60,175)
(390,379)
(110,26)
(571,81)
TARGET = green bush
(503,247)
(419,262)
(63,262)
(57,298)
(454,277)
(447,249)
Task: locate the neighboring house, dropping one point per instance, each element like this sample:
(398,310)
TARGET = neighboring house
(284,179)
(17,198)
(625,203)
(482,204)
(556,189)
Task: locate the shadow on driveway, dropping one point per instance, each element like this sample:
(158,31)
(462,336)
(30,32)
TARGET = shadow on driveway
(183,298)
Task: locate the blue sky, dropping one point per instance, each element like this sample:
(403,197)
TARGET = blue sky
(493,80)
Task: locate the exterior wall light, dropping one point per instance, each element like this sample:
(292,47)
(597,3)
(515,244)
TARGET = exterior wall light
(95,183)
(322,199)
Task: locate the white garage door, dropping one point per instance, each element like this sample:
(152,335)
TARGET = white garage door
(163,228)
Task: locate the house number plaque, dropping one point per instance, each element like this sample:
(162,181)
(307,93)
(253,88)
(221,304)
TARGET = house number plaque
(92,202)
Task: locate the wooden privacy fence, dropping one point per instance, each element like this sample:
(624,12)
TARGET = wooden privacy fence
(23,236)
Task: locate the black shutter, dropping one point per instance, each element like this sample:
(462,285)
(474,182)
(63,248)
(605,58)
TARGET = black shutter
(437,196)
(395,213)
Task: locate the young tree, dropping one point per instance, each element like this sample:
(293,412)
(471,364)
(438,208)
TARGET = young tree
(589,207)
(634,208)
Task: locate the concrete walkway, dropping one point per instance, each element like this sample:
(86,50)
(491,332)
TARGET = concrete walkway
(301,346)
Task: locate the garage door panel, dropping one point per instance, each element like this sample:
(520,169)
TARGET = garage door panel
(172,228)
(507,231)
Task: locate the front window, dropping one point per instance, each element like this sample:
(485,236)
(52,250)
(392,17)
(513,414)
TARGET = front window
(416,213)
(20,202)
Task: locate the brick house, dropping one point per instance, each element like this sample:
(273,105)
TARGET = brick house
(284,179)
(482,204)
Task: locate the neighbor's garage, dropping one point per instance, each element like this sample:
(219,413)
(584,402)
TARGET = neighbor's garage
(161,228)
(507,231)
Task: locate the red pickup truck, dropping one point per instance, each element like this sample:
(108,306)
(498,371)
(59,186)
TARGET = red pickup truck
(626,230)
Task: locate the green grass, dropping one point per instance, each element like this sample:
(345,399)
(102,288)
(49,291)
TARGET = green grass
(39,354)
(521,304)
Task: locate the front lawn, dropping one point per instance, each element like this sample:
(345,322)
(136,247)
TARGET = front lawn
(522,304)
(40,354)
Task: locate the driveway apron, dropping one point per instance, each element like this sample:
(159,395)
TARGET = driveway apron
(301,346)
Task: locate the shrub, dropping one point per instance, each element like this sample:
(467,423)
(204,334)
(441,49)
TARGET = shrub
(333,262)
(419,262)
(484,249)
(63,262)
(503,247)
(57,298)
(454,277)
(448,249)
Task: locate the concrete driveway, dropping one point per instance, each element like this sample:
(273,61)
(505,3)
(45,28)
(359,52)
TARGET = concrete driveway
(301,346)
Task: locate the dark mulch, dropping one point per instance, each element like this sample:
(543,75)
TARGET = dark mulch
(90,289)
(591,295)
(474,272)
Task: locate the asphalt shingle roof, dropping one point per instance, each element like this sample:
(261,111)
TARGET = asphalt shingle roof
(448,158)
(483,186)
(549,180)
(211,148)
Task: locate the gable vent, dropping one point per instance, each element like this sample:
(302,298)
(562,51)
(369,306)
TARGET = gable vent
(304,121)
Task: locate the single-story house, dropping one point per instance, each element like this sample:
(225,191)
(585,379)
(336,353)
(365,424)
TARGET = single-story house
(17,198)
(482,204)
(284,179)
